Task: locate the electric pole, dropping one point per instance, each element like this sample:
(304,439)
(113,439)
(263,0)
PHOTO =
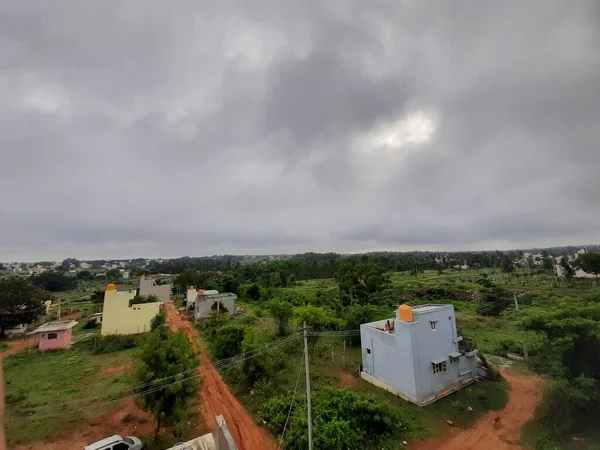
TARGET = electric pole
(308,404)
(525,353)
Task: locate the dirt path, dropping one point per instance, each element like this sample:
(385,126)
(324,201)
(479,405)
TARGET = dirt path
(218,399)
(524,397)
(125,419)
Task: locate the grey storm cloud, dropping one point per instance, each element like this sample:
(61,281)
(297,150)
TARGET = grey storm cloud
(144,129)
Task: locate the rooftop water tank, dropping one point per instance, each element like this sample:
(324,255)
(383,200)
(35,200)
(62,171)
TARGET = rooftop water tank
(405,314)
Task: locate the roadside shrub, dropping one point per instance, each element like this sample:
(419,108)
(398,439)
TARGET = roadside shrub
(158,320)
(341,420)
(90,325)
(504,346)
(114,343)
(227,341)
(492,373)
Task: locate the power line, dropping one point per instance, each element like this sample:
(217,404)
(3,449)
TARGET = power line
(292,403)
(221,364)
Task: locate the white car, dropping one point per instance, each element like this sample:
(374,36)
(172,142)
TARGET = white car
(116,442)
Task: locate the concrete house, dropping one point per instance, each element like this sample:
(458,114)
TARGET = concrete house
(206,299)
(119,317)
(149,287)
(416,355)
(54,335)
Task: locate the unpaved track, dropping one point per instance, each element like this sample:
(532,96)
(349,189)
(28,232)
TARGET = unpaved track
(217,398)
(524,398)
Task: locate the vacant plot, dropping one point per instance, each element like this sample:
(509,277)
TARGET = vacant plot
(48,391)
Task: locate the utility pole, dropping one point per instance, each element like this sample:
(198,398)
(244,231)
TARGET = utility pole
(308,403)
(525,352)
(2,439)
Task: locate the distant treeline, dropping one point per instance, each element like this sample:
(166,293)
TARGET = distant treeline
(325,265)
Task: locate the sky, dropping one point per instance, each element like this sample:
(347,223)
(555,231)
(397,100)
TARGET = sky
(145,128)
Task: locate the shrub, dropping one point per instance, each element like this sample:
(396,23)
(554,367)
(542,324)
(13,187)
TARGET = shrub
(227,341)
(114,343)
(90,324)
(341,420)
(158,320)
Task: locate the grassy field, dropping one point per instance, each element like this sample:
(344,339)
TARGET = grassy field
(44,390)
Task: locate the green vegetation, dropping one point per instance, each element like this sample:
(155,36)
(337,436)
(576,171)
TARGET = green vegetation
(47,391)
(341,419)
(20,302)
(168,371)
(570,357)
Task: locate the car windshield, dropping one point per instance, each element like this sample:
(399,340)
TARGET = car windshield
(128,440)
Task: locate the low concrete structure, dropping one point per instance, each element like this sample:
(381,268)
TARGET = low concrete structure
(118,317)
(149,287)
(220,439)
(54,335)
(416,354)
(206,299)
(97,318)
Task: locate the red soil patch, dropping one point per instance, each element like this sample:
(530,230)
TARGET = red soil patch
(75,315)
(524,397)
(124,418)
(217,399)
(116,369)
(347,380)
(19,344)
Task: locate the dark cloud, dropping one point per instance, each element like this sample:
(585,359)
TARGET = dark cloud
(131,129)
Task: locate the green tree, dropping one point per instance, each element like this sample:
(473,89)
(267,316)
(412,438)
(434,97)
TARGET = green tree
(253,292)
(315,318)
(495,299)
(21,302)
(158,320)
(292,279)
(571,356)
(113,275)
(275,279)
(227,341)
(53,281)
(264,366)
(589,262)
(507,265)
(357,281)
(282,311)
(357,315)
(166,368)
(567,269)
(84,275)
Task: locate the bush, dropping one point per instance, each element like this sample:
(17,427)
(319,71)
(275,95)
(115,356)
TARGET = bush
(114,343)
(158,320)
(341,420)
(90,325)
(504,346)
(227,341)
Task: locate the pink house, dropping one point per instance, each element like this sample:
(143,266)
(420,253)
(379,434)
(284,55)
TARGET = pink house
(54,335)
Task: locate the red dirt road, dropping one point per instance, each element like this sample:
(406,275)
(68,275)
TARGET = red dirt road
(217,398)
(524,398)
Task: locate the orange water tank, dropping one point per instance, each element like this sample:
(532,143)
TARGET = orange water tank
(405,314)
(110,287)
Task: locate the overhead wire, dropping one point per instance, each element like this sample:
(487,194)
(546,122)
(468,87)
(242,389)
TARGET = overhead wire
(218,365)
(292,402)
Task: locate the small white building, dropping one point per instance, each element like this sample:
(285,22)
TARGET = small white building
(416,355)
(205,300)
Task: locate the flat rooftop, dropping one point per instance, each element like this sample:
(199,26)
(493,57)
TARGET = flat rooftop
(427,308)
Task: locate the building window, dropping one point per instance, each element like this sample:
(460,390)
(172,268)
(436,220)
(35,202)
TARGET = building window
(440,367)
(433,324)
(52,336)
(368,351)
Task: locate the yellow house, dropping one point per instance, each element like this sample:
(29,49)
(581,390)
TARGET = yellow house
(120,318)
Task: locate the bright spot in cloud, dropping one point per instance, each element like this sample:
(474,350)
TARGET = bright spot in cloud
(414,128)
